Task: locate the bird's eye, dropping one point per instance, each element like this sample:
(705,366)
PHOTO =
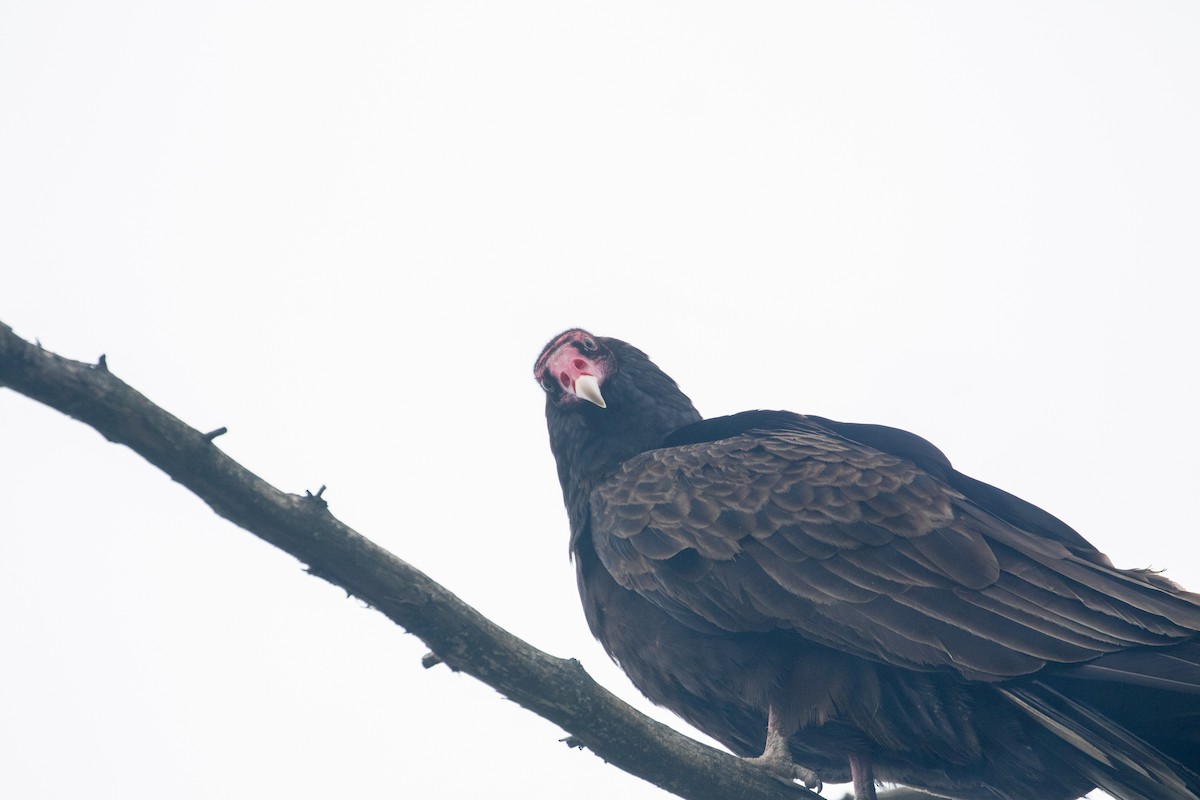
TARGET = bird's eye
(548,383)
(588,343)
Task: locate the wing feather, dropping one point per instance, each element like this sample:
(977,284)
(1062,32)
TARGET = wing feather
(799,528)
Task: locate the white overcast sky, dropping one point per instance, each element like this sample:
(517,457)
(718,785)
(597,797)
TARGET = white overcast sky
(344,231)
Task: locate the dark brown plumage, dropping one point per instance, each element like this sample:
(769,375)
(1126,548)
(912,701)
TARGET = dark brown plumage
(839,595)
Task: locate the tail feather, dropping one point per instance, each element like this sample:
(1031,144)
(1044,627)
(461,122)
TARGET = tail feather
(1172,669)
(1115,759)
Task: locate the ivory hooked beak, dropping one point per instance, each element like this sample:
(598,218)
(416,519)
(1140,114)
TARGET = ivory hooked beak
(587,387)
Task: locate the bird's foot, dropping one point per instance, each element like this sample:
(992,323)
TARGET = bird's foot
(862,773)
(777,757)
(786,770)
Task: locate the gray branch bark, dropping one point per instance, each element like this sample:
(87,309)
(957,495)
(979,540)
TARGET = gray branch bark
(557,689)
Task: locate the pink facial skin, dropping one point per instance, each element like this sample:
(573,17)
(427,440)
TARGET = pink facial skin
(568,358)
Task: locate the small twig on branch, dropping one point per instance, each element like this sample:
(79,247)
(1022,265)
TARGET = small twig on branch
(557,689)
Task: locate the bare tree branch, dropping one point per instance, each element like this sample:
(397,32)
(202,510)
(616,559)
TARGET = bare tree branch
(555,688)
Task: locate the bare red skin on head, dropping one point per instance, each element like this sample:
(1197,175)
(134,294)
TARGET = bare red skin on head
(569,357)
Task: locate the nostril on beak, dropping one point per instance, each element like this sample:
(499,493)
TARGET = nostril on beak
(564,379)
(580,364)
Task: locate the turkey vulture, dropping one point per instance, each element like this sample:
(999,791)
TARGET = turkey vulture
(838,602)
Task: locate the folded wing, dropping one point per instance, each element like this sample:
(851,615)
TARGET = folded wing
(783,522)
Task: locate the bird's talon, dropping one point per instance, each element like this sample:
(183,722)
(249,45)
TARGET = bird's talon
(808,778)
(785,770)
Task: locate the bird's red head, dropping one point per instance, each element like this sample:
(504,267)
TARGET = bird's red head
(573,367)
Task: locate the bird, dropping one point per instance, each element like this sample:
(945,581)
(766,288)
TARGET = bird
(837,603)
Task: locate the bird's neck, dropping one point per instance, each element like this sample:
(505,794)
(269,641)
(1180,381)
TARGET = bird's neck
(590,443)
